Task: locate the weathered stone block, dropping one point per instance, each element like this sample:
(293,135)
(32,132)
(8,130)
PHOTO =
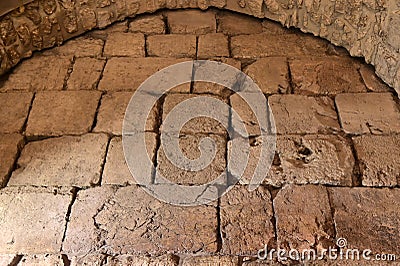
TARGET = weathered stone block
(191,22)
(130,221)
(377,158)
(270,74)
(171,45)
(374,113)
(65,161)
(303,218)
(9,146)
(295,114)
(85,74)
(14,109)
(39,73)
(325,76)
(125,44)
(241,234)
(27,227)
(367,218)
(72,112)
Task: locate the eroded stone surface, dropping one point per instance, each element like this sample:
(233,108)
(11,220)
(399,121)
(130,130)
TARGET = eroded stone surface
(201,72)
(189,145)
(116,171)
(197,124)
(237,24)
(212,45)
(367,218)
(14,109)
(378,160)
(129,221)
(112,113)
(8,259)
(126,74)
(265,45)
(270,74)
(210,260)
(80,47)
(39,260)
(9,145)
(171,45)
(241,234)
(251,122)
(72,112)
(374,113)
(372,82)
(303,222)
(302,114)
(39,73)
(125,44)
(86,74)
(148,24)
(168,259)
(325,76)
(65,161)
(191,22)
(23,210)
(310,159)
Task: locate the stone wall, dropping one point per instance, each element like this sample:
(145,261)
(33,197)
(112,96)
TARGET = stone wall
(367,28)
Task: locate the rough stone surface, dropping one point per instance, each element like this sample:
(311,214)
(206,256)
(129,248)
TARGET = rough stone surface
(20,210)
(365,29)
(171,45)
(116,171)
(14,109)
(65,161)
(197,124)
(265,45)
(93,259)
(379,166)
(148,226)
(210,260)
(241,235)
(125,74)
(367,218)
(86,74)
(211,88)
(309,159)
(42,260)
(167,259)
(80,47)
(38,73)
(148,24)
(247,116)
(303,222)
(372,82)
(237,24)
(189,145)
(112,112)
(295,114)
(9,146)
(8,259)
(212,45)
(325,76)
(125,44)
(270,74)
(72,112)
(191,22)
(374,113)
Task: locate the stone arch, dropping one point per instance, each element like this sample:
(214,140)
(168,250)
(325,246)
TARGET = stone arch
(368,29)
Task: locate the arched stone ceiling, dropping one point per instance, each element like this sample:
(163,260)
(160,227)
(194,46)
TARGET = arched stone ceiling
(366,28)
